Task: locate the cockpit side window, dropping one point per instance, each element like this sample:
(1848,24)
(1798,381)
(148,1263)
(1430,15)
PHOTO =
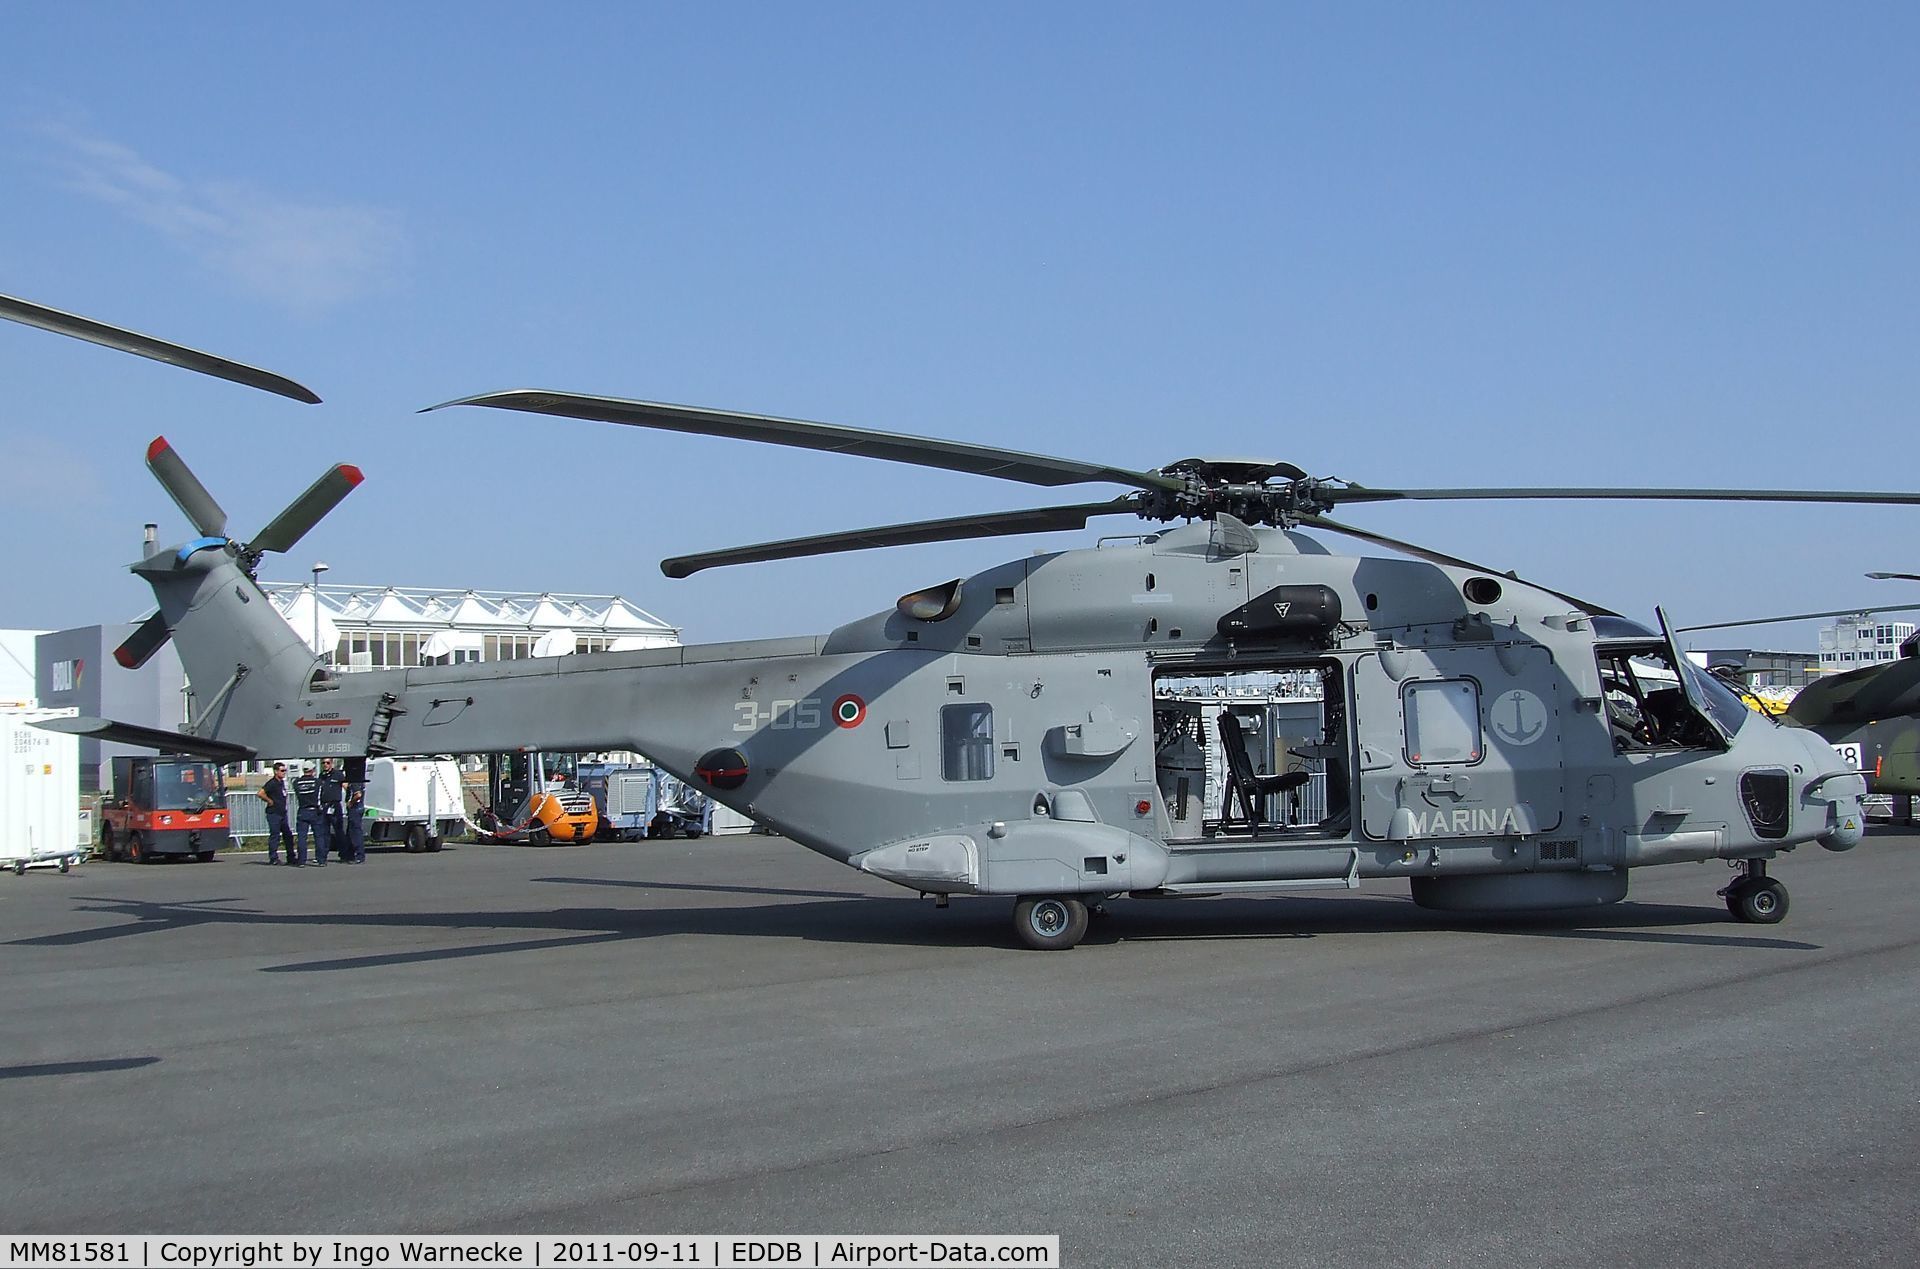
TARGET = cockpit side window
(1647,706)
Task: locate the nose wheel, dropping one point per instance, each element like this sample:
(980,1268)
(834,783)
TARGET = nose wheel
(1756,898)
(1050,923)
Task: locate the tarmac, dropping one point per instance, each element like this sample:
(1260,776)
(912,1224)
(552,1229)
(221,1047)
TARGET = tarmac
(736,1036)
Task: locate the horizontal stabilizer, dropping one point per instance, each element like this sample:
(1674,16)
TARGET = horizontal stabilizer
(151,738)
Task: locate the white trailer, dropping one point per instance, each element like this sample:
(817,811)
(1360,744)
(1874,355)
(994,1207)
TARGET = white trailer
(415,801)
(39,793)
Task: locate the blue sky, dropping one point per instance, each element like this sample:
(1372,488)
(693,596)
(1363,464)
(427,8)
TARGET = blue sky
(1405,245)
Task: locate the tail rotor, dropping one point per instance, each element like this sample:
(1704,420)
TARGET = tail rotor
(281,534)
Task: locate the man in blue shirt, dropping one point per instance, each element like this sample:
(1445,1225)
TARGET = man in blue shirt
(306,795)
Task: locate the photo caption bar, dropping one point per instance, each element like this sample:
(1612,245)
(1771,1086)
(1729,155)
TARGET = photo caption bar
(566,1251)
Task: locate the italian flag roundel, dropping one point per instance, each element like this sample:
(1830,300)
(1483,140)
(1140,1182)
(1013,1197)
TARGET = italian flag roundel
(849,711)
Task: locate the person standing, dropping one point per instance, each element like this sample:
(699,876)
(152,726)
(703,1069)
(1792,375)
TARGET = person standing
(333,784)
(356,847)
(274,794)
(306,797)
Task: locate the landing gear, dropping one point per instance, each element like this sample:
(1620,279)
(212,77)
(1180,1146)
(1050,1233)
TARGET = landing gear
(1756,898)
(1050,923)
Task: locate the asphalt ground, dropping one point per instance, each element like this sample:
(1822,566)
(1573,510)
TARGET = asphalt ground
(736,1036)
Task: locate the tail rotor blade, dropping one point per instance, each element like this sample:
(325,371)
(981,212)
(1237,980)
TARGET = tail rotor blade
(178,480)
(307,510)
(147,638)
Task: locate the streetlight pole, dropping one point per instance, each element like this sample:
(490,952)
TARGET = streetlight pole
(317,570)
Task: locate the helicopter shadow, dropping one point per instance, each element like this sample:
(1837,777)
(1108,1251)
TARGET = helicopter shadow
(1176,920)
(96,1066)
(886,921)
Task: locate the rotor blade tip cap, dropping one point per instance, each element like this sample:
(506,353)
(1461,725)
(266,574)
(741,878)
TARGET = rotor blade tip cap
(158,448)
(353,474)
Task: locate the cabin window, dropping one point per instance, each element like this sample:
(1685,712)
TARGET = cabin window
(966,742)
(1443,721)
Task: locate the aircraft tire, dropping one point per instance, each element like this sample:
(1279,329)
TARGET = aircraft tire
(416,839)
(1050,923)
(1759,902)
(204,856)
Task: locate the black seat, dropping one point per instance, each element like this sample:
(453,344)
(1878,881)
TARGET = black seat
(1241,780)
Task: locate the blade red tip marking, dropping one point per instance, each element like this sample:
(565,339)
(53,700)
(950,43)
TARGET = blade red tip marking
(352,473)
(158,448)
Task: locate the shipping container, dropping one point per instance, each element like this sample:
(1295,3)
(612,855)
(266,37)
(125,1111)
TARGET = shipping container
(39,793)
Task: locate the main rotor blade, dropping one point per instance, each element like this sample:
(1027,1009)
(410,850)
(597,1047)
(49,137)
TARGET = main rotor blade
(1803,616)
(1362,493)
(178,480)
(147,638)
(1451,561)
(959,528)
(981,460)
(1902,577)
(322,496)
(128,341)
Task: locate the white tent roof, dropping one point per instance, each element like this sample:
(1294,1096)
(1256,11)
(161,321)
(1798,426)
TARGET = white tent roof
(300,615)
(447,642)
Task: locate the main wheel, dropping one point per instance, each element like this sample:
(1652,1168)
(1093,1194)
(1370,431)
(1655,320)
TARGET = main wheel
(1758,902)
(1050,923)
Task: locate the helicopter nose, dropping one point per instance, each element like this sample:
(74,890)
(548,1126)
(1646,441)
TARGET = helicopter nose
(1837,784)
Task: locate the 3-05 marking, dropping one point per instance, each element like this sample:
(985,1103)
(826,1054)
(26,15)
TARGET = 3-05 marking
(803,715)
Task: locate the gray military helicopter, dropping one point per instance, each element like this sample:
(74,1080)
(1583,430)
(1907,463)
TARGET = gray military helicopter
(1045,729)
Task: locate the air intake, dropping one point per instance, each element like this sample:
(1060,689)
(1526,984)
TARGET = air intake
(1764,795)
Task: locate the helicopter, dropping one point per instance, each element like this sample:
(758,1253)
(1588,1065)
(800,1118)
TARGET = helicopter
(1030,731)
(1870,714)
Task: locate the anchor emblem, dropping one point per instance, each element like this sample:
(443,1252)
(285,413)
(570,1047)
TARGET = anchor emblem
(1518,717)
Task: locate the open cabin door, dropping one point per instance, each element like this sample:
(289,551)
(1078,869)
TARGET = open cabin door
(1460,742)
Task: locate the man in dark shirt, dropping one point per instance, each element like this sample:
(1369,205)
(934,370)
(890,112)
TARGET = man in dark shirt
(356,847)
(306,796)
(274,794)
(333,789)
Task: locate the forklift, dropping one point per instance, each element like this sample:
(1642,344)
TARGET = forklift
(161,806)
(535,799)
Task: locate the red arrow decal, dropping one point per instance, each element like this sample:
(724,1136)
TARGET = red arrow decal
(332,724)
